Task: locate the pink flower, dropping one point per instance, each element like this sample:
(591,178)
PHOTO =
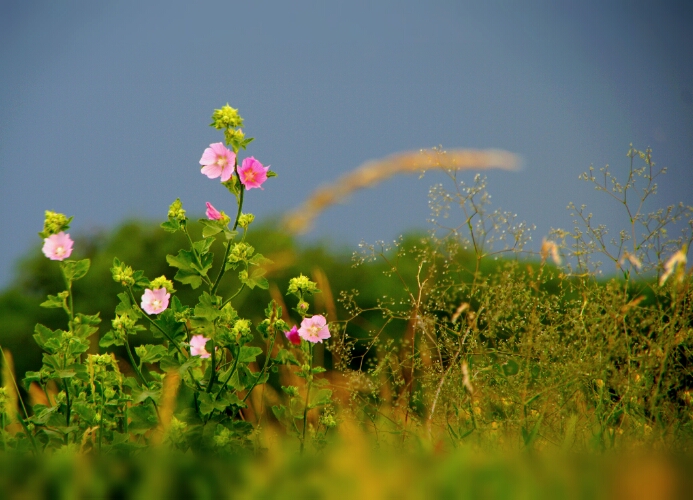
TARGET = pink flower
(293,335)
(218,161)
(212,213)
(314,329)
(252,173)
(197,346)
(57,246)
(155,301)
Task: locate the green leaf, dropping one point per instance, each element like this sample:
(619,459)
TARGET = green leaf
(31,377)
(320,398)
(256,279)
(530,436)
(47,339)
(74,270)
(55,302)
(171,225)
(86,325)
(110,339)
(85,412)
(285,357)
(143,418)
(190,269)
(208,404)
(151,353)
(248,354)
(202,246)
(191,278)
(258,260)
(271,173)
(210,227)
(167,322)
(42,414)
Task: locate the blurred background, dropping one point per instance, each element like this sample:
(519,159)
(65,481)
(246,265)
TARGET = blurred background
(105,106)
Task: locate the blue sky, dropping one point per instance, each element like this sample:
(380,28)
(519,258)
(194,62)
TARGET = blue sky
(104,106)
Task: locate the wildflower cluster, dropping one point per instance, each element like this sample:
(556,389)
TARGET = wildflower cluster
(207,347)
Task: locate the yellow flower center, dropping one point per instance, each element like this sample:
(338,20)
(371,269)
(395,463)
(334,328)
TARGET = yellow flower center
(60,251)
(222,161)
(156,304)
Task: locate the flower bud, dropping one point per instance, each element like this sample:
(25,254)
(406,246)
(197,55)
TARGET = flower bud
(245,220)
(226,117)
(302,285)
(162,282)
(122,274)
(54,223)
(175,211)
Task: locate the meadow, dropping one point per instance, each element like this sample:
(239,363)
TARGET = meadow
(220,358)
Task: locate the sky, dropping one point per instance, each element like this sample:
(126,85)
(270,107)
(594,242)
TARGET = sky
(105,106)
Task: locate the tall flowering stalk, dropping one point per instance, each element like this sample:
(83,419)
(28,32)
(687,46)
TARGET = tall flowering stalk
(206,346)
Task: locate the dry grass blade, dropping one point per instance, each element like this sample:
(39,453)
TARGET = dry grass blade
(374,172)
(8,384)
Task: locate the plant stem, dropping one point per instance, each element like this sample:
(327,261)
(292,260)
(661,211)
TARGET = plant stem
(102,418)
(228,377)
(305,408)
(268,357)
(67,400)
(134,365)
(212,368)
(222,270)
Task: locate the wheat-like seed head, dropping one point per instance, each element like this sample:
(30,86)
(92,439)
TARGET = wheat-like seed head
(374,172)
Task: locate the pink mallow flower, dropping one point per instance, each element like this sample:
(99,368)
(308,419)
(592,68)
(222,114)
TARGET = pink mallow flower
(197,346)
(293,336)
(218,160)
(57,246)
(155,301)
(252,173)
(314,329)
(212,213)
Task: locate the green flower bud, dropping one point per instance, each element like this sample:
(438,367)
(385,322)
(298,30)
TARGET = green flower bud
(54,223)
(162,282)
(123,323)
(281,326)
(109,393)
(241,328)
(222,438)
(302,285)
(328,420)
(183,316)
(240,253)
(233,136)
(175,211)
(141,351)
(245,220)
(226,117)
(122,274)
